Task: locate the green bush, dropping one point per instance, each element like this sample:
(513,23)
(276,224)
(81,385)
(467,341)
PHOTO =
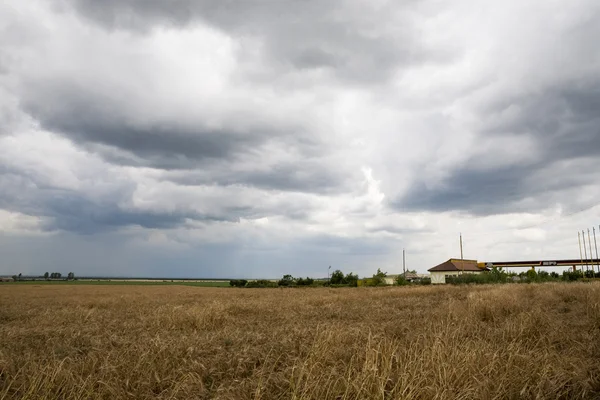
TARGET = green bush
(379,278)
(401,281)
(305,282)
(287,280)
(237,282)
(337,277)
(351,279)
(261,283)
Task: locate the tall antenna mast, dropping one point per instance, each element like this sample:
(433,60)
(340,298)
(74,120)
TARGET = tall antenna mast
(404,262)
(462,262)
(579,240)
(584,251)
(591,254)
(596,246)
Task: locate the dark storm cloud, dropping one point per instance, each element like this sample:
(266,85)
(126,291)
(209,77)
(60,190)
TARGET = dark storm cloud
(74,211)
(564,121)
(300,176)
(480,192)
(359,42)
(87,117)
(564,125)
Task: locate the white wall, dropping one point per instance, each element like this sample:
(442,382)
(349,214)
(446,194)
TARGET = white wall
(440,276)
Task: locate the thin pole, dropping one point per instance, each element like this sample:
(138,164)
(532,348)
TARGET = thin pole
(462,262)
(584,251)
(404,262)
(596,246)
(591,254)
(579,240)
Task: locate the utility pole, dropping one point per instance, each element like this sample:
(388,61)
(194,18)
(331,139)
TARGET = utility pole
(328,269)
(591,254)
(580,253)
(404,262)
(584,251)
(462,262)
(596,246)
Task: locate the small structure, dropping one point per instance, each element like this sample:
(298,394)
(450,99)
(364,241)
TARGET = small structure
(409,276)
(6,279)
(454,267)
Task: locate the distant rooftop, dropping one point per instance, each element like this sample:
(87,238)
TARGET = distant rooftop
(455,264)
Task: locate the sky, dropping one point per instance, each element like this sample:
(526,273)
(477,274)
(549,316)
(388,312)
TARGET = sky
(219,138)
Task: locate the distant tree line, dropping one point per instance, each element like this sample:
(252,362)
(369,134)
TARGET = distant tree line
(47,276)
(498,275)
(336,279)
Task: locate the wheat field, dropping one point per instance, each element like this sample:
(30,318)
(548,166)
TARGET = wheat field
(170,342)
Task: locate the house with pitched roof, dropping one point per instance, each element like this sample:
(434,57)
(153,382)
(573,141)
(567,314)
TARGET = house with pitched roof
(454,267)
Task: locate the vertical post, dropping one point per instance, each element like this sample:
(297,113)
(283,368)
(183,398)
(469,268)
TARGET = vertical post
(462,262)
(584,251)
(596,246)
(404,262)
(579,240)
(591,254)
(328,279)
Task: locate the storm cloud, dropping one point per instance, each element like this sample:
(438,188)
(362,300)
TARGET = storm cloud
(220,138)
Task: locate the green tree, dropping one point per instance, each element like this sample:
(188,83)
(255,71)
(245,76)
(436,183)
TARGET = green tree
(337,278)
(71,276)
(379,277)
(305,282)
(46,275)
(287,280)
(15,278)
(532,276)
(351,279)
(497,274)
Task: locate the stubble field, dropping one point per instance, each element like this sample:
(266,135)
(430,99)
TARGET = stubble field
(177,342)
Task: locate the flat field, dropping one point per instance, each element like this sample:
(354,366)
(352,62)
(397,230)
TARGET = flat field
(141,342)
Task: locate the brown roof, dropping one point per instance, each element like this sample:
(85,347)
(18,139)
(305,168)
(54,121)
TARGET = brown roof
(454,264)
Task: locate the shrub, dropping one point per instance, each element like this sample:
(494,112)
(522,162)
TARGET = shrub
(378,278)
(589,274)
(401,281)
(261,283)
(337,277)
(466,279)
(287,280)
(305,282)
(351,279)
(238,282)
(572,275)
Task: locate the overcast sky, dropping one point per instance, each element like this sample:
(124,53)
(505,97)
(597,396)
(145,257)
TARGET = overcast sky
(220,138)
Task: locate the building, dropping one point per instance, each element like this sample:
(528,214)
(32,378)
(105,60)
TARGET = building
(454,267)
(409,276)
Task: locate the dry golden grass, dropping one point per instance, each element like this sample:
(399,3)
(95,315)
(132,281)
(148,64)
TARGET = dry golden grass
(492,342)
